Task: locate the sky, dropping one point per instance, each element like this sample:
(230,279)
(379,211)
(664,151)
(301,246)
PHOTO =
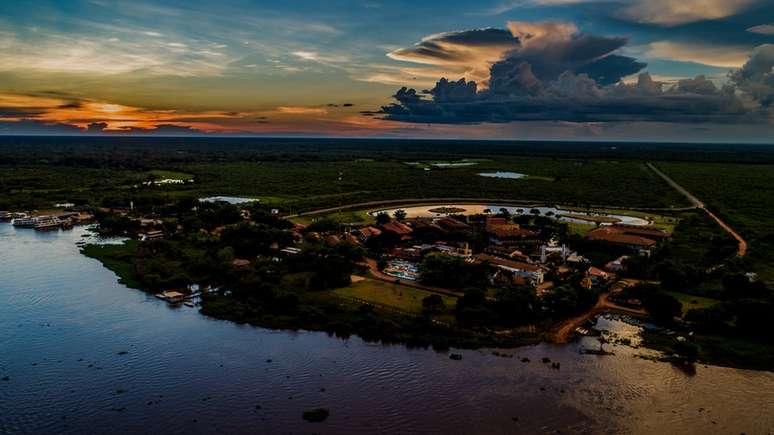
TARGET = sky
(656,70)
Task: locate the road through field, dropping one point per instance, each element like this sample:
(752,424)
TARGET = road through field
(742,250)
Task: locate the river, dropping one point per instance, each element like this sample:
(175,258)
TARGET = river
(83,354)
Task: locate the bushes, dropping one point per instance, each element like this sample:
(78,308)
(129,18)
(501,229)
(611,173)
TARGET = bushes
(451,272)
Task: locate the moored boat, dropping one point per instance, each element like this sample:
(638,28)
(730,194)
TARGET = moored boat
(24,222)
(46,223)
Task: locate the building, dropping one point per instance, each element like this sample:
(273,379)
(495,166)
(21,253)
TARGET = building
(529,271)
(508,234)
(642,231)
(368,232)
(451,224)
(397,227)
(240,262)
(152,235)
(617,236)
(290,251)
(617,265)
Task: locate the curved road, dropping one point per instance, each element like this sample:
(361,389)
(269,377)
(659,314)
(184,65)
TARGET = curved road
(495,201)
(742,250)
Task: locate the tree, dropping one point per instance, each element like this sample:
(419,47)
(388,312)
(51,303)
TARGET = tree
(400,214)
(710,319)
(516,305)
(382,218)
(433,304)
(332,271)
(471,309)
(662,306)
(449,271)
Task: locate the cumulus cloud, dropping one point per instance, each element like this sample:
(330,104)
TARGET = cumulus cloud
(756,77)
(559,74)
(763,29)
(666,13)
(713,55)
(550,48)
(467,53)
(673,13)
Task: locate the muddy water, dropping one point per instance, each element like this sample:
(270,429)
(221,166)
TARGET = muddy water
(84,354)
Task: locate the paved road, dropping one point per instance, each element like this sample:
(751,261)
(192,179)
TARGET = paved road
(742,250)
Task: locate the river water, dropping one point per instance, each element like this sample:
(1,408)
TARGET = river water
(84,354)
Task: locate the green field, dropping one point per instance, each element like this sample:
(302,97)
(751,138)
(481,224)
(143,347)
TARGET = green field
(162,174)
(400,297)
(307,185)
(691,302)
(743,196)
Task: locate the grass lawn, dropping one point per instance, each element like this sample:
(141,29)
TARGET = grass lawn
(580,229)
(666,223)
(394,295)
(357,217)
(170,175)
(691,302)
(115,258)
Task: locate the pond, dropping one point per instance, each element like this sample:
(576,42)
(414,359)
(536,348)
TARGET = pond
(233,200)
(581,217)
(502,174)
(85,354)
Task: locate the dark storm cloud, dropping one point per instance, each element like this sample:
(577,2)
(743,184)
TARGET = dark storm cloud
(96,127)
(31,126)
(558,74)
(165,130)
(19,112)
(756,77)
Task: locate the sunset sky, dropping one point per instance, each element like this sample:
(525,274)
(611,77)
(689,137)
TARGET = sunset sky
(693,70)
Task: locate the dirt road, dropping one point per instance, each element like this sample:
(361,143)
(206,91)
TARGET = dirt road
(742,249)
(566,329)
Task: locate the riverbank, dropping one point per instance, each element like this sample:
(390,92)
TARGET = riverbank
(324,311)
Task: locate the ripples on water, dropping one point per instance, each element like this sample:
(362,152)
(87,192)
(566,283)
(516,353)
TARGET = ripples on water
(65,325)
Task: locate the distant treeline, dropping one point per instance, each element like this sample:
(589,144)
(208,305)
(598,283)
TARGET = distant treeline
(143,152)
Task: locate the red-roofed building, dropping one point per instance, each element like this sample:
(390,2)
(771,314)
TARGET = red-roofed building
(398,228)
(368,232)
(642,231)
(452,224)
(616,236)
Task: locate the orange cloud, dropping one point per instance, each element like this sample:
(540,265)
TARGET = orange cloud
(58,109)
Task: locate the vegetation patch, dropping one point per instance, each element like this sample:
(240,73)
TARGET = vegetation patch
(397,296)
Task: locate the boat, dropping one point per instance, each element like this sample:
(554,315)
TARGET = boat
(24,222)
(46,223)
(5,215)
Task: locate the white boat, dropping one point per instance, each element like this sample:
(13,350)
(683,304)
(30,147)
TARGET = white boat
(25,222)
(45,223)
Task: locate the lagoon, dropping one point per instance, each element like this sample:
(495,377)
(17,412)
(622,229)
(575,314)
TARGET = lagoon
(502,174)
